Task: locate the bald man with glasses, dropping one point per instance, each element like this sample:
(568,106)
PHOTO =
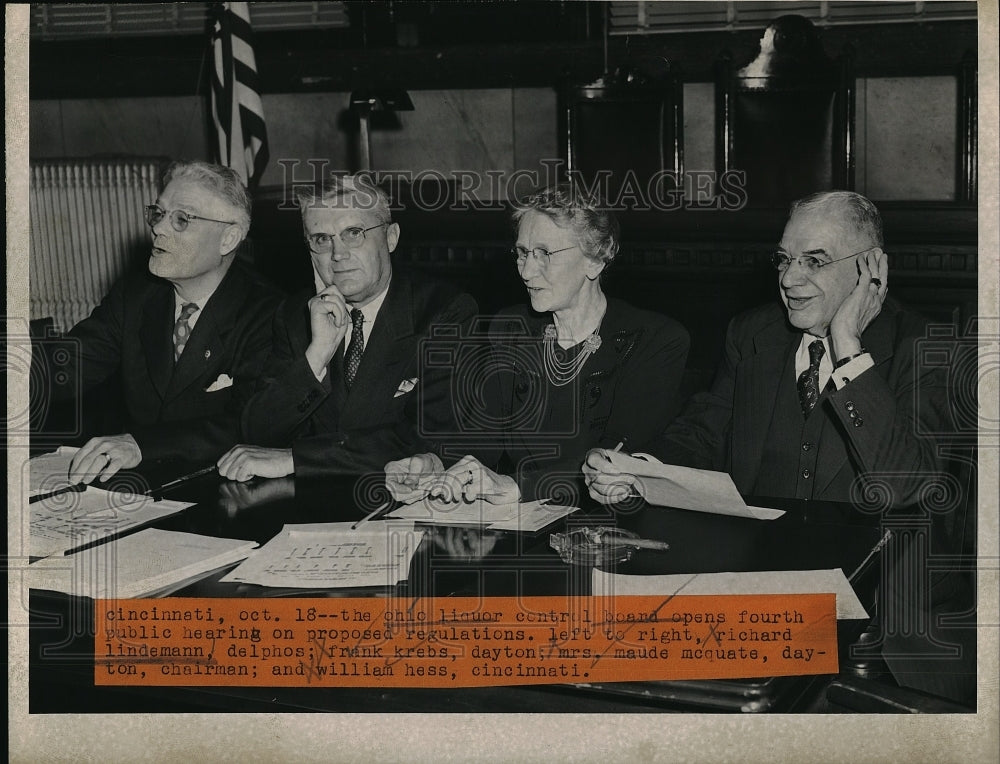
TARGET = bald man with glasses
(187,337)
(345,390)
(823,394)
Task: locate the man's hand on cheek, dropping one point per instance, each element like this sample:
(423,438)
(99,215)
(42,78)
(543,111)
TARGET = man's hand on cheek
(861,306)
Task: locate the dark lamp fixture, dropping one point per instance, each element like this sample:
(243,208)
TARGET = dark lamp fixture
(365,103)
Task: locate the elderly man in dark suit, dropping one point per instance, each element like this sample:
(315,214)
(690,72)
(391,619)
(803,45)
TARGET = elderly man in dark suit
(821,394)
(345,389)
(187,338)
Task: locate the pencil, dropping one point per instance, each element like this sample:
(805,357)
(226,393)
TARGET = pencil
(77,488)
(617,449)
(182,479)
(372,515)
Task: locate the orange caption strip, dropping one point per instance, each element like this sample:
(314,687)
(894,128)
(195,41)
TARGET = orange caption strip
(462,641)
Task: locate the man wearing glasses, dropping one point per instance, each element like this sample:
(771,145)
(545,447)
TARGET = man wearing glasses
(813,397)
(187,338)
(344,390)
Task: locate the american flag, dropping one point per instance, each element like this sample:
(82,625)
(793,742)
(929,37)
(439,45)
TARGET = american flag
(237,110)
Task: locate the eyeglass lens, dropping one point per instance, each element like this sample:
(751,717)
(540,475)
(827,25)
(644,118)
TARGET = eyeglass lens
(179,219)
(352,237)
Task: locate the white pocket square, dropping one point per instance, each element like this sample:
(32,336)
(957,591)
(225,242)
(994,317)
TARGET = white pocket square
(406,386)
(221,383)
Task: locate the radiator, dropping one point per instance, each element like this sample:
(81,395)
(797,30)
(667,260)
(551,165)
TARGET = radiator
(86,224)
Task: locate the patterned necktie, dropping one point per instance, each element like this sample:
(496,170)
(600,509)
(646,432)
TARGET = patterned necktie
(182,329)
(355,348)
(809,379)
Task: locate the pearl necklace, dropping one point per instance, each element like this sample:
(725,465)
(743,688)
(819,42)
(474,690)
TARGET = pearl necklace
(560,372)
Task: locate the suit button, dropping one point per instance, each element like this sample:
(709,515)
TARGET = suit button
(806,473)
(849,405)
(806,446)
(858,422)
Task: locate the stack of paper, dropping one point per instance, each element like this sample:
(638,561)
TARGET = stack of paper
(527,516)
(332,555)
(68,521)
(146,563)
(756,582)
(668,485)
(50,472)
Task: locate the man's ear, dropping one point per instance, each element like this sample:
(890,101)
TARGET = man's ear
(231,239)
(392,236)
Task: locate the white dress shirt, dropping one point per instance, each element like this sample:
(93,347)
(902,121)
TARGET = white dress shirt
(370,312)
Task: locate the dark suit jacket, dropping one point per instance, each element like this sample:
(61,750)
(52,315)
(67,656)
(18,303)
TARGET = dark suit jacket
(168,408)
(335,431)
(626,390)
(872,425)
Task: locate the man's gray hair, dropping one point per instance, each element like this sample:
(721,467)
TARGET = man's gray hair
(337,191)
(856,209)
(582,212)
(224,182)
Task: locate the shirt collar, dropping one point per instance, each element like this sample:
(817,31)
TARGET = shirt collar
(370,311)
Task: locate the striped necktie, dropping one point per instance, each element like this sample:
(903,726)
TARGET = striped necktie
(809,379)
(182,329)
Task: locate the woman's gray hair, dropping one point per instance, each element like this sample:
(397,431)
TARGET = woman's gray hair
(224,182)
(334,190)
(594,225)
(856,209)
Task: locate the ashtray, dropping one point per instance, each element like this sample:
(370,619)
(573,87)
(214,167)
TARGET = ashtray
(600,546)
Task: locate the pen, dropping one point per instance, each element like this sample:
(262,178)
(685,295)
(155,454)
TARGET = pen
(181,479)
(77,488)
(871,554)
(372,515)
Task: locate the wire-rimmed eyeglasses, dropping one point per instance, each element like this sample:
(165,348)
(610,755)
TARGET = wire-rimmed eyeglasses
(179,219)
(809,263)
(353,237)
(540,255)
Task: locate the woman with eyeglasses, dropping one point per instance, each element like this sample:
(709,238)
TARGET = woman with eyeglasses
(572,370)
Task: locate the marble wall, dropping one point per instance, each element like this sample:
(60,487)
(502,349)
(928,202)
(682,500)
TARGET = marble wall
(906,132)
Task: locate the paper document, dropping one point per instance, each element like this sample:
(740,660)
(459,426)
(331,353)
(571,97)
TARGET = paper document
(146,563)
(526,516)
(70,520)
(50,472)
(668,485)
(332,555)
(756,582)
